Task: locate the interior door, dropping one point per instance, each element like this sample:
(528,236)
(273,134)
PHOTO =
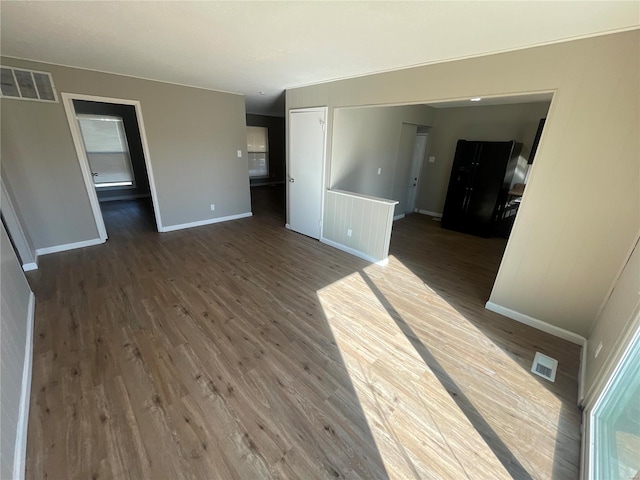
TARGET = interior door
(306,169)
(416,167)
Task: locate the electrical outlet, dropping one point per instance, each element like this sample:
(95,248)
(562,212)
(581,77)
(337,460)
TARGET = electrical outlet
(432,159)
(349,232)
(239,153)
(213,207)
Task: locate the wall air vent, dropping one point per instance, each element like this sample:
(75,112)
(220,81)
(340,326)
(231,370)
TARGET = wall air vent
(545,367)
(27,85)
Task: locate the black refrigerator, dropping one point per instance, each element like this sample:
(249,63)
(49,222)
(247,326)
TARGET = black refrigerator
(480,179)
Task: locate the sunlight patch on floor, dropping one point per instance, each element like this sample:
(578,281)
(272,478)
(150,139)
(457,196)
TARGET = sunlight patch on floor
(392,329)
(419,430)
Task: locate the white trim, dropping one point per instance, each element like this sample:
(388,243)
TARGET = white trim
(431,214)
(555,331)
(69,246)
(622,354)
(199,223)
(287,226)
(385,201)
(582,372)
(614,358)
(27,267)
(535,323)
(398,217)
(23,59)
(67,101)
(354,252)
(22,243)
(20,452)
(467,57)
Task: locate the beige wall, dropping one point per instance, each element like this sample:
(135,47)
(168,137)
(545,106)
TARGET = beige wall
(193,136)
(366,139)
(615,323)
(14,318)
(580,212)
(491,123)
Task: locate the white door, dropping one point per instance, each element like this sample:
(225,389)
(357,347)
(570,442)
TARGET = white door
(416,168)
(306,169)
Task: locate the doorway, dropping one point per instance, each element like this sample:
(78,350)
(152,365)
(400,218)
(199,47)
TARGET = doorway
(419,149)
(307,140)
(112,150)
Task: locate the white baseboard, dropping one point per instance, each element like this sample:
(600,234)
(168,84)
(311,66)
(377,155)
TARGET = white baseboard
(20,452)
(431,214)
(398,217)
(535,323)
(354,252)
(287,226)
(69,246)
(209,221)
(553,330)
(27,267)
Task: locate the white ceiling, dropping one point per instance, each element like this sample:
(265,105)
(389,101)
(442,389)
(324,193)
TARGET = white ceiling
(252,47)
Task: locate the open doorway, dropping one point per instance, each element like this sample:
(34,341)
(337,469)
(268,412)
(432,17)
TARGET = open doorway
(378,151)
(266,157)
(417,159)
(111,146)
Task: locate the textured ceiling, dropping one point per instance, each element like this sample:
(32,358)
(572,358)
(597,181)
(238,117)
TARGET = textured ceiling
(252,47)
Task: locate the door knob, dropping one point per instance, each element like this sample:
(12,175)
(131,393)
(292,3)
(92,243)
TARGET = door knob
(292,180)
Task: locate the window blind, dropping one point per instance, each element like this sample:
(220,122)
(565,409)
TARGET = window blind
(258,151)
(107,150)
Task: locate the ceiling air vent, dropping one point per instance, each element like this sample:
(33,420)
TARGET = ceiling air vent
(545,366)
(27,85)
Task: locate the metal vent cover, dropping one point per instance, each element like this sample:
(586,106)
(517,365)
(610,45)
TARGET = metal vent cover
(545,367)
(24,84)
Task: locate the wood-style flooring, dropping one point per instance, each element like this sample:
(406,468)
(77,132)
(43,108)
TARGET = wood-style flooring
(244,350)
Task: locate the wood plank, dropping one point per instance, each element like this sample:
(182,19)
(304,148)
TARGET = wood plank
(243,350)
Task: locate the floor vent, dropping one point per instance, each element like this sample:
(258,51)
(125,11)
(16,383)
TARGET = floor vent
(545,367)
(27,85)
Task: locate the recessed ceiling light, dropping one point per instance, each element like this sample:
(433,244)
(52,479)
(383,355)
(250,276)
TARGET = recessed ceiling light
(475,99)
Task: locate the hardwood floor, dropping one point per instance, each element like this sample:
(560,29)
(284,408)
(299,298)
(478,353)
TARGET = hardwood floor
(244,350)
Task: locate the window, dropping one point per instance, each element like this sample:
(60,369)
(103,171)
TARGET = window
(107,150)
(616,422)
(258,151)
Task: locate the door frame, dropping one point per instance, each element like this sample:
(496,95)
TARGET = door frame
(323,179)
(67,101)
(21,242)
(414,163)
